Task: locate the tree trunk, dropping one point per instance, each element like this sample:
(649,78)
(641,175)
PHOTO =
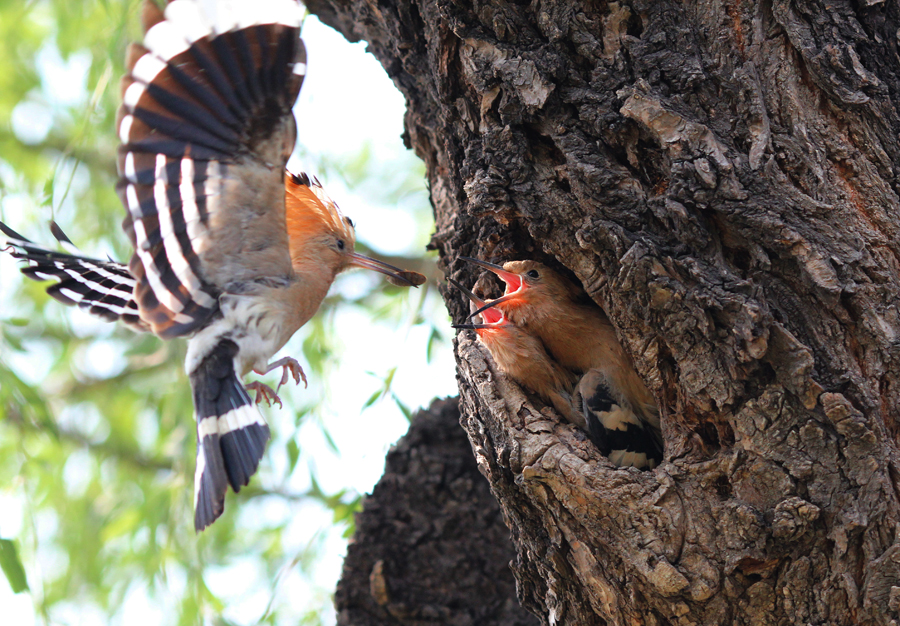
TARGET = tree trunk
(720,178)
(430,544)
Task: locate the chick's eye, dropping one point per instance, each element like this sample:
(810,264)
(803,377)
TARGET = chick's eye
(532,274)
(340,244)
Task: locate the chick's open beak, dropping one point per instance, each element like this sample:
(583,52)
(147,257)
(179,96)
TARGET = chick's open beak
(514,284)
(492,317)
(513,281)
(493,303)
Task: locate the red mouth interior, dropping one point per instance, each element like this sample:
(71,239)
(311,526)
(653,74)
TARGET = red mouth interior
(491,316)
(513,281)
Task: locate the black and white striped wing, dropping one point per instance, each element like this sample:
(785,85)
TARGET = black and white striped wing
(103,288)
(206,130)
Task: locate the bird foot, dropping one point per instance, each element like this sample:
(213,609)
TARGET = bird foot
(291,368)
(263,392)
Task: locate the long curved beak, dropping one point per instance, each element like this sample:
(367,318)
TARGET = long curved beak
(513,282)
(493,303)
(493,317)
(396,276)
(471,296)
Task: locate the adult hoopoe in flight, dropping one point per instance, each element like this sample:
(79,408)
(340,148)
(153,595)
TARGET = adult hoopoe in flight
(229,251)
(579,336)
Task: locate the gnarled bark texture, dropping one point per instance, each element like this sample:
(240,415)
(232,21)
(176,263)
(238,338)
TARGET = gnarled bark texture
(430,545)
(721,178)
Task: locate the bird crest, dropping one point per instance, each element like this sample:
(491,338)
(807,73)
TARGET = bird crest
(310,213)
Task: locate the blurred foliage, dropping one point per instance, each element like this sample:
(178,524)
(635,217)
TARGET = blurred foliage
(97,442)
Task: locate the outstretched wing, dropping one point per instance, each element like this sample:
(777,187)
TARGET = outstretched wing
(206,130)
(103,288)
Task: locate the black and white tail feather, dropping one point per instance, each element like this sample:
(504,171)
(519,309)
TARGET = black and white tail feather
(617,431)
(231,433)
(103,288)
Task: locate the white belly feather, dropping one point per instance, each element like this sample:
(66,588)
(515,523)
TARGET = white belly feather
(252,323)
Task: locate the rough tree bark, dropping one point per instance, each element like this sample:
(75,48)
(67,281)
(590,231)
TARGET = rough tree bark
(721,179)
(430,544)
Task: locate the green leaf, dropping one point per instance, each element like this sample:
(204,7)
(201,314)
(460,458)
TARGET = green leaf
(47,196)
(14,342)
(293,450)
(407,412)
(329,439)
(12,566)
(434,338)
(373,398)
(124,523)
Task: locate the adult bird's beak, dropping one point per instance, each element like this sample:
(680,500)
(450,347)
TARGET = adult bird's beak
(396,276)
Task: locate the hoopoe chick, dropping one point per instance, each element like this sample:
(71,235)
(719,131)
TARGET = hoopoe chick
(617,432)
(576,332)
(522,357)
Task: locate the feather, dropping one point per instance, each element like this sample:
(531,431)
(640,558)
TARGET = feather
(206,129)
(103,288)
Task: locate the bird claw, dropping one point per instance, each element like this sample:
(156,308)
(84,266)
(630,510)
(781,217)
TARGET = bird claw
(290,367)
(264,392)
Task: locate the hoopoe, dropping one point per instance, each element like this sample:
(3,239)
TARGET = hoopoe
(577,334)
(229,251)
(522,357)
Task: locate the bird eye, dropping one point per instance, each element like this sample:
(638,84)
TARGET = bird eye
(340,244)
(532,274)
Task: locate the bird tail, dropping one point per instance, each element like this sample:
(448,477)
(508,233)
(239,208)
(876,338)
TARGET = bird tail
(231,432)
(103,288)
(618,432)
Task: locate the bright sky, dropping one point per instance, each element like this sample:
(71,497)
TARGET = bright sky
(347,100)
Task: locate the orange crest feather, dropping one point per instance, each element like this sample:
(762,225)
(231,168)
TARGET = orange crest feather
(311,213)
